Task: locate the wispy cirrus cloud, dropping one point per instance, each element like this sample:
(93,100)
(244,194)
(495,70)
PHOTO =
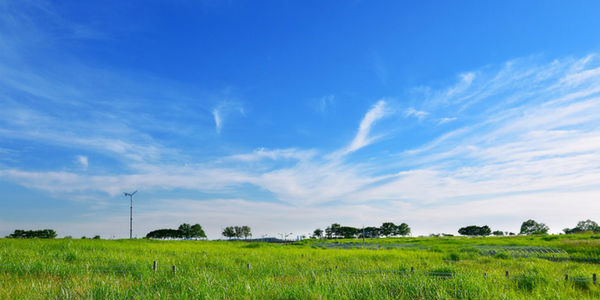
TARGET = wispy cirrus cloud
(224,109)
(275,154)
(522,134)
(446,120)
(419,114)
(218,121)
(362,138)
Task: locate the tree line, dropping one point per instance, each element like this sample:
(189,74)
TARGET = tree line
(527,228)
(30,234)
(530,227)
(583,226)
(185,231)
(337,231)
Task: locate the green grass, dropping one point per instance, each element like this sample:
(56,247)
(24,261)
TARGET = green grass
(444,268)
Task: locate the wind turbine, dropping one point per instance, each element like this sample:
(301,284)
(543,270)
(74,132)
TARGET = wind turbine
(130,212)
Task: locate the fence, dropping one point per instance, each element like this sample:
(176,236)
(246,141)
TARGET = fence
(156,267)
(412,271)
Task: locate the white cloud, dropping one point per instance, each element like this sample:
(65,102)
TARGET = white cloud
(223,109)
(262,153)
(529,149)
(419,114)
(83,160)
(217,117)
(362,139)
(446,120)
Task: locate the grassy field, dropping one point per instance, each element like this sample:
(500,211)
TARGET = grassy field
(442,268)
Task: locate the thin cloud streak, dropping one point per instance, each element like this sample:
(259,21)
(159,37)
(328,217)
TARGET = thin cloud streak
(362,138)
(218,123)
(419,114)
(223,109)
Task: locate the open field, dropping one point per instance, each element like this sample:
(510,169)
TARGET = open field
(442,268)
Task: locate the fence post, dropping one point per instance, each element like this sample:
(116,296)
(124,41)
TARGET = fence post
(412,269)
(507,274)
(154,266)
(594,278)
(566,276)
(248,266)
(174,269)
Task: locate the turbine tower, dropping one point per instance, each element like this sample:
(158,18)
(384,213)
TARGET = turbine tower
(130,212)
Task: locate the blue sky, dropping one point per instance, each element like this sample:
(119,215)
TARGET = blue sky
(289,116)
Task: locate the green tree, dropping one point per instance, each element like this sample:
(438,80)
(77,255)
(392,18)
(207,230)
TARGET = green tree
(197,231)
(403,229)
(239,233)
(498,233)
(532,227)
(30,234)
(186,230)
(348,232)
(229,232)
(387,229)
(333,231)
(584,226)
(164,234)
(246,232)
(474,230)
(318,233)
(370,232)
(485,230)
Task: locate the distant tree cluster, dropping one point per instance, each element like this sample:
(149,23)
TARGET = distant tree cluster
(527,228)
(336,231)
(474,230)
(30,234)
(185,230)
(237,232)
(584,226)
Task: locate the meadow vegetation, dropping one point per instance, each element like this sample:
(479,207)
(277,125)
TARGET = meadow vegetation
(391,268)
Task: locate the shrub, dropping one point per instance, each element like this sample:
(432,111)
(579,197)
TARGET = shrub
(550,238)
(454,256)
(530,281)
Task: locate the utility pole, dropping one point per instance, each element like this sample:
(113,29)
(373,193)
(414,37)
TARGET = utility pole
(130,212)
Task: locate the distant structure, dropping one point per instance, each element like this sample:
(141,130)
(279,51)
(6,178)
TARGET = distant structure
(130,212)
